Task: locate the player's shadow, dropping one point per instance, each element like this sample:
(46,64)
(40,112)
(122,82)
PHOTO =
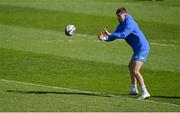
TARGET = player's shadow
(154,96)
(59,92)
(167,97)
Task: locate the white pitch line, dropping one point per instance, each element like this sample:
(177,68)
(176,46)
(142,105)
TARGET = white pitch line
(153,43)
(164,103)
(166,45)
(54,87)
(83,91)
(86,35)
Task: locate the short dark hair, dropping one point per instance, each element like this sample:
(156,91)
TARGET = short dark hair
(121,10)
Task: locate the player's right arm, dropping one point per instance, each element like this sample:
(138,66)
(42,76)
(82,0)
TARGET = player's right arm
(118,33)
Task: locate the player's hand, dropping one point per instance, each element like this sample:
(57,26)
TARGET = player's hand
(101,37)
(106,32)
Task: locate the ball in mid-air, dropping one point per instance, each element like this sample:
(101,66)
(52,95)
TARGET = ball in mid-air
(69,30)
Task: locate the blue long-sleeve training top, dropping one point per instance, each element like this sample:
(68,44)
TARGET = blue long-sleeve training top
(130,31)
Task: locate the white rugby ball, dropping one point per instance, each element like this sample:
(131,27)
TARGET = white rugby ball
(70,30)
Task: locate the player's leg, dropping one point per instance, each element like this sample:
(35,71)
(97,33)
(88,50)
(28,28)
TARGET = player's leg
(136,72)
(130,66)
(133,90)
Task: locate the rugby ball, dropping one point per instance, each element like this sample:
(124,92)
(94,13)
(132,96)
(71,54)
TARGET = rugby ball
(70,30)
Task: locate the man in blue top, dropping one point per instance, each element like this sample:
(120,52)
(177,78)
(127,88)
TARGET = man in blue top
(131,33)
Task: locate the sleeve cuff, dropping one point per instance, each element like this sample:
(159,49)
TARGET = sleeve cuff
(106,38)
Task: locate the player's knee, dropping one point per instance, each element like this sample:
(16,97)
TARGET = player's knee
(136,72)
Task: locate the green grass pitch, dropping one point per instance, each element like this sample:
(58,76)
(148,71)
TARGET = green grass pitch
(41,69)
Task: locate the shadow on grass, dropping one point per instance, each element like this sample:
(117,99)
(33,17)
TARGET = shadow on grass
(167,97)
(154,96)
(85,93)
(59,92)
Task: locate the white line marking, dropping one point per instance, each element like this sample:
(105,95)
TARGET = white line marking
(85,35)
(166,45)
(165,103)
(153,43)
(83,91)
(54,87)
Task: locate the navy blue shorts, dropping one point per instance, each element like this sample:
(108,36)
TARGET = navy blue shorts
(140,55)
